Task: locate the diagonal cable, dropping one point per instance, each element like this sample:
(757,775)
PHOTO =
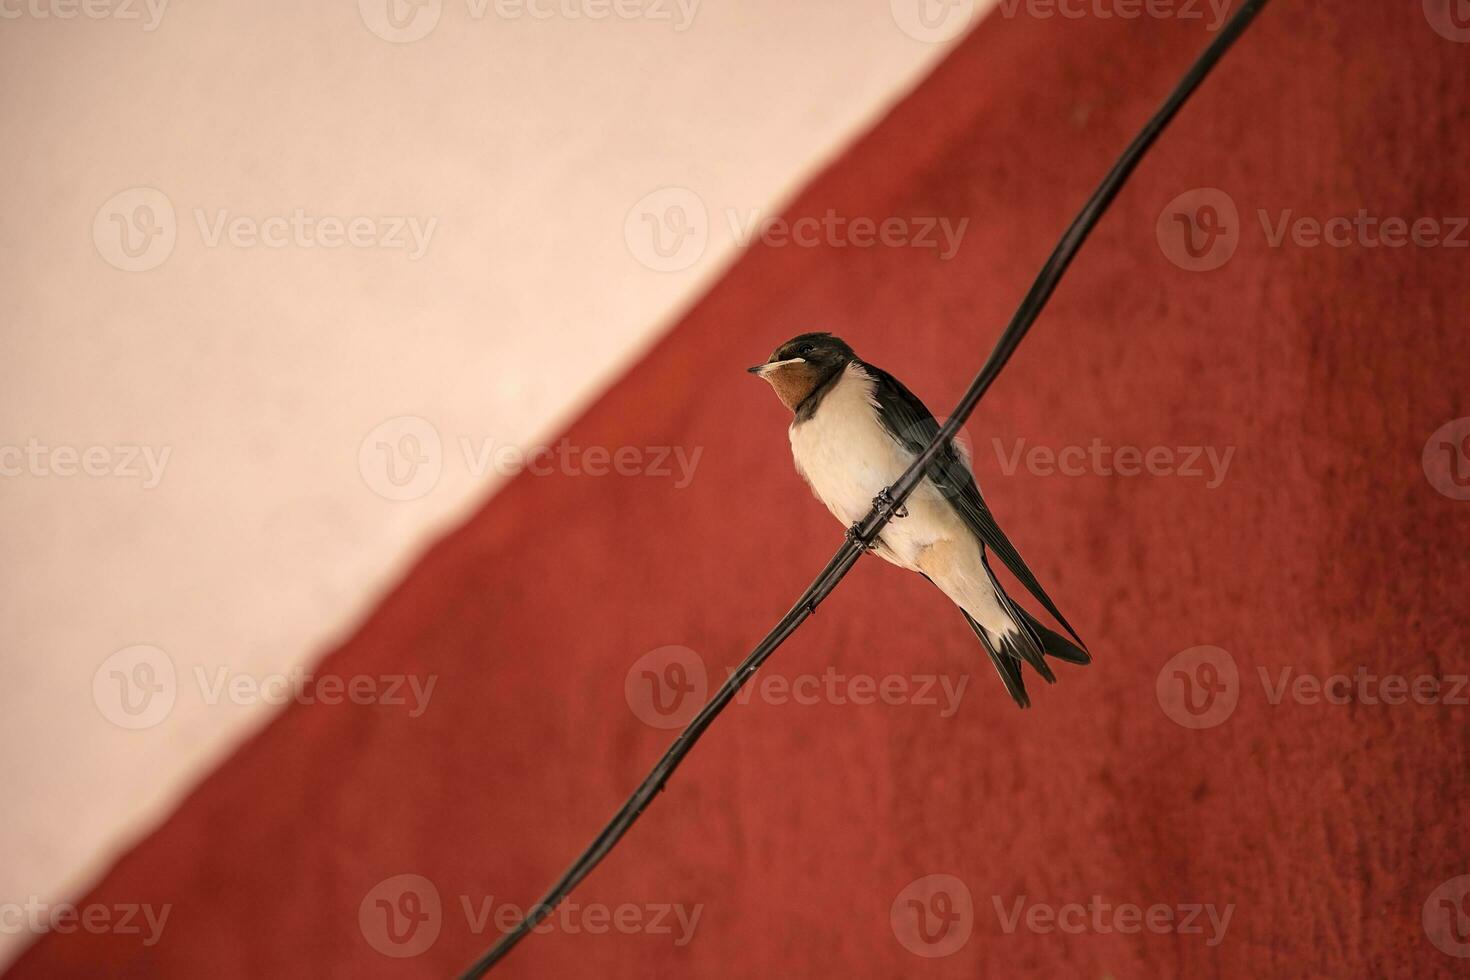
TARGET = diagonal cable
(885,506)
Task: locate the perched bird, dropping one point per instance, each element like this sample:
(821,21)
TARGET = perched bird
(855,429)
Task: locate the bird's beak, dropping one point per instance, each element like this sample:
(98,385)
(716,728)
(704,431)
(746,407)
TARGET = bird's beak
(765,370)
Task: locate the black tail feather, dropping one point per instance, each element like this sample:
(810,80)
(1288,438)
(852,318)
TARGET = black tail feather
(1025,643)
(1006,665)
(1031,643)
(1021,645)
(1055,644)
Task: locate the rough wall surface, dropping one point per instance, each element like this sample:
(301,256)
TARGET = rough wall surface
(795,828)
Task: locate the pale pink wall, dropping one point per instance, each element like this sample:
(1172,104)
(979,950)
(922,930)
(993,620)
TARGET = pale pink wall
(263,372)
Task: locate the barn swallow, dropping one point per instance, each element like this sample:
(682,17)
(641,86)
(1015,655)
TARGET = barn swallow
(855,429)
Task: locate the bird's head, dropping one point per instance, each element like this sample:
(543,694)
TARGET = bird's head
(802,364)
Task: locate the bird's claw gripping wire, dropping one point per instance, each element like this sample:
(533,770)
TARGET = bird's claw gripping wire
(884,501)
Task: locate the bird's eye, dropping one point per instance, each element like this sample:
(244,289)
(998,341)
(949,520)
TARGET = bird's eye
(806,348)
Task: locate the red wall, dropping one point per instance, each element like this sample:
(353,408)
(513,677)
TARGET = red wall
(1324,550)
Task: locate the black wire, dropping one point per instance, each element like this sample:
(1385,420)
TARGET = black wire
(884,507)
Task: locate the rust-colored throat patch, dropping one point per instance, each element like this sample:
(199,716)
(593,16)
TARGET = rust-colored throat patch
(794,382)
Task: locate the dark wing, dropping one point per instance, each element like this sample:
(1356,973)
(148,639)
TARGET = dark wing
(908,421)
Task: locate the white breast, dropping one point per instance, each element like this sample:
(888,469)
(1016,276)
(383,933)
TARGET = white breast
(842,450)
(847,456)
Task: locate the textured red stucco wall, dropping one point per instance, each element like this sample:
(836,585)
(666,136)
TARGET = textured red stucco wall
(1326,548)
